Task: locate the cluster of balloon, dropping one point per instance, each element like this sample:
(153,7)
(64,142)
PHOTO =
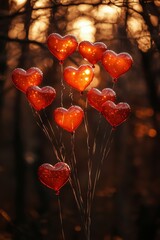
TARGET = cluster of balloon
(103,101)
(28,81)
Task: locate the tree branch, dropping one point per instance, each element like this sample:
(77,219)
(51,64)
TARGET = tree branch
(27,41)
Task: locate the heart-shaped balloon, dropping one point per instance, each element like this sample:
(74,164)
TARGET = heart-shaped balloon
(24,79)
(115,114)
(40,98)
(69,119)
(78,78)
(61,47)
(116,64)
(92,51)
(96,98)
(54,177)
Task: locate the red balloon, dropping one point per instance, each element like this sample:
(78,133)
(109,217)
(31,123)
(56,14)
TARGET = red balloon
(92,51)
(116,64)
(78,78)
(61,47)
(54,177)
(24,79)
(115,114)
(69,119)
(96,98)
(40,98)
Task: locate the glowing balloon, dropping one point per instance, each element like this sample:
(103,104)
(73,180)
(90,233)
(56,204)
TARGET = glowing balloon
(78,78)
(40,98)
(54,177)
(96,98)
(23,79)
(61,47)
(115,114)
(69,119)
(116,64)
(92,51)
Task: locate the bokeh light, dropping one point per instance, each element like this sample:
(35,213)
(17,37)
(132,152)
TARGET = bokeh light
(82,28)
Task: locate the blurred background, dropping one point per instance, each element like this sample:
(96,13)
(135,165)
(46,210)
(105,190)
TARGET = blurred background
(126,205)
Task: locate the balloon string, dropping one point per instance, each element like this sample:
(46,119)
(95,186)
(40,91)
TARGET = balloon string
(49,137)
(107,150)
(60,215)
(105,137)
(75,167)
(80,208)
(105,153)
(50,126)
(89,190)
(62,148)
(95,136)
(71,95)
(113,86)
(54,137)
(45,130)
(79,203)
(75,173)
(42,125)
(62,84)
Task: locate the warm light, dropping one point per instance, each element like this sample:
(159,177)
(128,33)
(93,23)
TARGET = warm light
(141,130)
(77,228)
(137,29)
(15,5)
(17,30)
(17,2)
(152,132)
(97,78)
(40,3)
(39,28)
(154,20)
(21,1)
(95,82)
(144,113)
(106,13)
(83,29)
(84,8)
(87,71)
(134,6)
(157,3)
(136,26)
(64,1)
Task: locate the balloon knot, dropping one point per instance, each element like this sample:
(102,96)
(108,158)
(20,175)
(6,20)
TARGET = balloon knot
(57,193)
(93,66)
(115,80)
(61,62)
(72,133)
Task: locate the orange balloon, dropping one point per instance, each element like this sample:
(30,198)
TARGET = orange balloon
(115,114)
(78,78)
(61,47)
(96,98)
(54,177)
(24,79)
(40,98)
(92,51)
(116,64)
(69,119)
